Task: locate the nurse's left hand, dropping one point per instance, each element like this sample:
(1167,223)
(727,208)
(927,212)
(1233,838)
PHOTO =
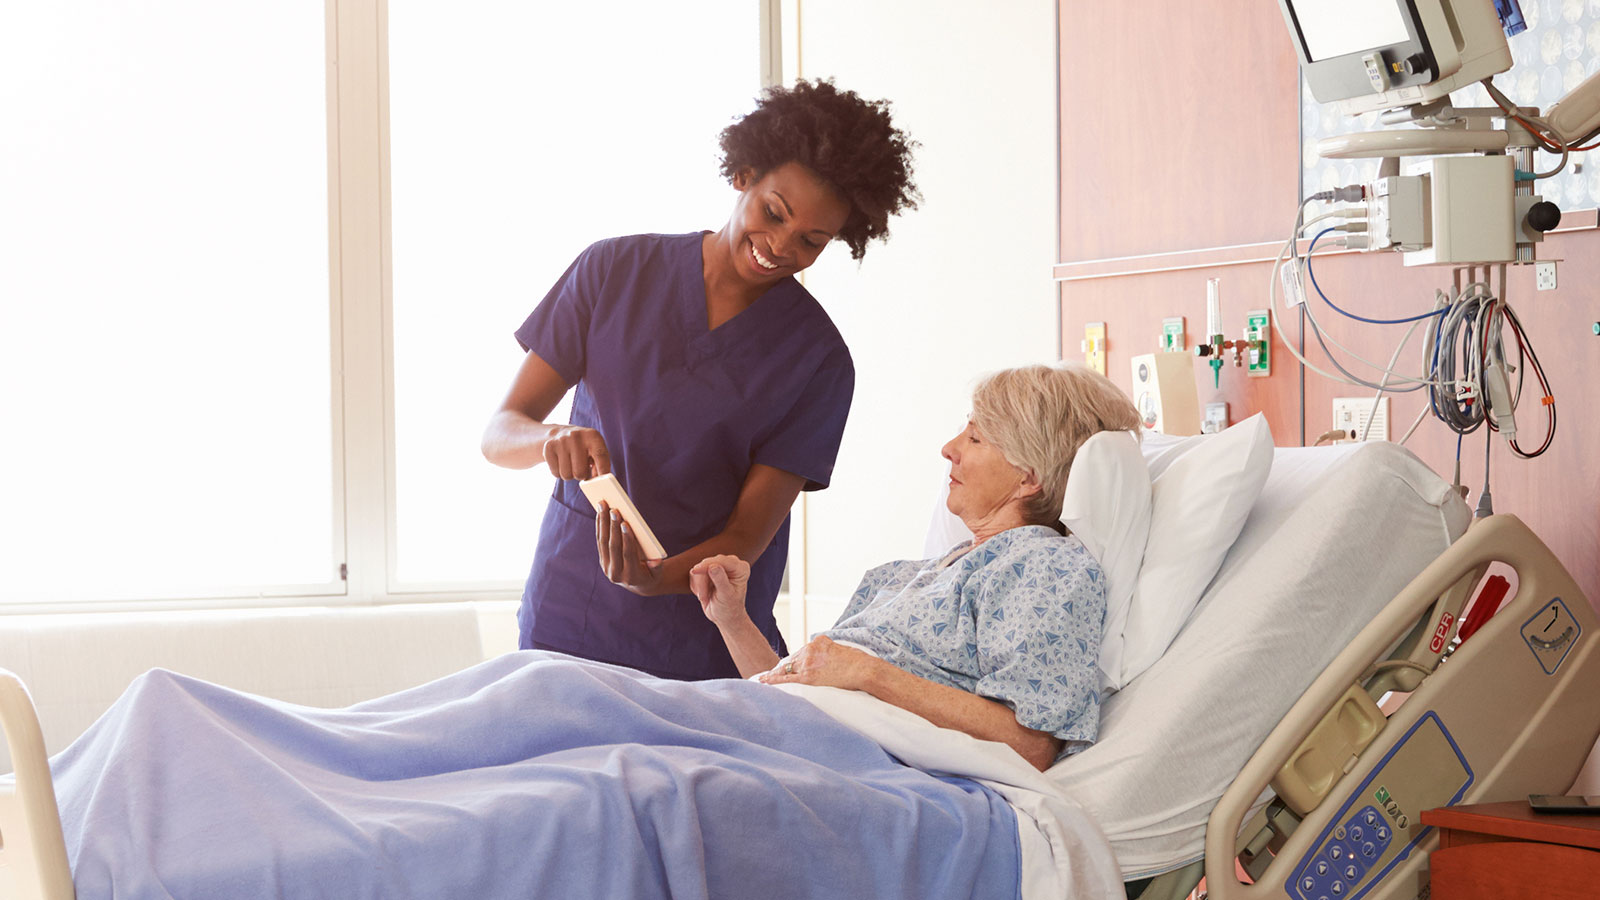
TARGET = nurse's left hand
(821,661)
(621,557)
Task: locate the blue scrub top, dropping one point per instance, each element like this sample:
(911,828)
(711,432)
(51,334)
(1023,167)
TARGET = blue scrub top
(685,412)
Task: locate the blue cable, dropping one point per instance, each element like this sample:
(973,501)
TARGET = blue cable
(1309,271)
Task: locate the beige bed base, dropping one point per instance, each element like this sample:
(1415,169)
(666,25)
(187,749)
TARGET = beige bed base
(1510,712)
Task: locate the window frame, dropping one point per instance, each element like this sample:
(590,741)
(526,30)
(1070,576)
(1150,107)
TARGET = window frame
(362,451)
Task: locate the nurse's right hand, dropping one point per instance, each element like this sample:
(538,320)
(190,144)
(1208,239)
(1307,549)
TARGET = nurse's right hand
(573,451)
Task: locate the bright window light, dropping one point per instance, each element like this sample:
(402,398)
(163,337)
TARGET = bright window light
(519,134)
(164,312)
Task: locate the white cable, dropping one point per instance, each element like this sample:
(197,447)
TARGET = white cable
(1272,303)
(1272,298)
(1548,132)
(1420,416)
(1424,379)
(1559,166)
(1378,396)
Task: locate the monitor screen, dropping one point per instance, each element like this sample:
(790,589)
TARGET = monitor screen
(1333,28)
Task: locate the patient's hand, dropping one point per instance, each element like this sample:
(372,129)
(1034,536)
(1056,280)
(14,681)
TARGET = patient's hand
(719,583)
(821,661)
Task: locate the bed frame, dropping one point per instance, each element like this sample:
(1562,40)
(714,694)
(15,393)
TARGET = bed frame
(33,853)
(1507,713)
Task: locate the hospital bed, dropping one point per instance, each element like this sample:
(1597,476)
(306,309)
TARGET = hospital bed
(1254,741)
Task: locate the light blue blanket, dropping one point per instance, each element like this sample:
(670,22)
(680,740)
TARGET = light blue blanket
(531,775)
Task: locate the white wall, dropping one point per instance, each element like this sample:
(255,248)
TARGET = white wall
(964,284)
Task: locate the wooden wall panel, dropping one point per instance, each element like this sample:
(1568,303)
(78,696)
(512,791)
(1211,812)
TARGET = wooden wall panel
(1221,170)
(1173,118)
(1557,494)
(1132,308)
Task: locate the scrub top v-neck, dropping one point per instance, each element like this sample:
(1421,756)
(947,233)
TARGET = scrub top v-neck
(685,412)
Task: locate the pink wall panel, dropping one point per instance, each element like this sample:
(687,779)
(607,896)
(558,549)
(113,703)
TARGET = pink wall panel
(1223,171)
(1172,118)
(1558,494)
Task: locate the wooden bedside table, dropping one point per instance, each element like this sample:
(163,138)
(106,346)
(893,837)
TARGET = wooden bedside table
(1498,850)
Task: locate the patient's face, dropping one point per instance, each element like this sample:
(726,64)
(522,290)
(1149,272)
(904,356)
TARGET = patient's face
(982,484)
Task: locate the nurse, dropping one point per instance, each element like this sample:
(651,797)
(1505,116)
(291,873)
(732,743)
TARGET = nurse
(708,380)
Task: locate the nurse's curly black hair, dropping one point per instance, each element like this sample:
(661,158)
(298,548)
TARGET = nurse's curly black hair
(850,143)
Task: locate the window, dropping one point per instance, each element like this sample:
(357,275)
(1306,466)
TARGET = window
(164,320)
(519,134)
(190,412)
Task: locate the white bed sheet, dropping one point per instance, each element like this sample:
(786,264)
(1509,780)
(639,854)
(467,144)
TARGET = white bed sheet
(1335,535)
(1064,854)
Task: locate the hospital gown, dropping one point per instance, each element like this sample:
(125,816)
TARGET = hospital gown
(1016,619)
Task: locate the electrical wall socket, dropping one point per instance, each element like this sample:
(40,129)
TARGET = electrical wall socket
(1544,275)
(1216,419)
(1350,415)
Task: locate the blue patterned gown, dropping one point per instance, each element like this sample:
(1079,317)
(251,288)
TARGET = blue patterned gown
(1016,619)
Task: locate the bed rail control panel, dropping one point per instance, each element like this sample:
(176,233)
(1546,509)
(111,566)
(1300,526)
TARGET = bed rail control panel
(1378,828)
(1357,844)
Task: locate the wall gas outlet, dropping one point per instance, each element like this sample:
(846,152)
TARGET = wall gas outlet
(1350,415)
(1257,343)
(1094,346)
(1174,335)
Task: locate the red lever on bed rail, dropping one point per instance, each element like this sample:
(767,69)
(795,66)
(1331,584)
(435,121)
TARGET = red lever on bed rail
(1488,603)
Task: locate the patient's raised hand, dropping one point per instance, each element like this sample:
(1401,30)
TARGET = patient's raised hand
(719,583)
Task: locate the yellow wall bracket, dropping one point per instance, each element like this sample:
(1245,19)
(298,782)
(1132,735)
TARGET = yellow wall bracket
(1094,346)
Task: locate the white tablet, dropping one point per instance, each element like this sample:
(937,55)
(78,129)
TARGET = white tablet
(606,487)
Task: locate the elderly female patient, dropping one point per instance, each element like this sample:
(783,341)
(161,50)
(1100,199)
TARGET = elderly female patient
(999,638)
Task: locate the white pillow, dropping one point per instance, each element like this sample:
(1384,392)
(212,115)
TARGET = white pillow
(1161,450)
(1201,491)
(1107,505)
(945,528)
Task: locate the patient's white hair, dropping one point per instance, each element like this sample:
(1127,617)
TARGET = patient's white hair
(1038,416)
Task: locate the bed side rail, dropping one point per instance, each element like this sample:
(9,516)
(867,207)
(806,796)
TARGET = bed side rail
(1501,538)
(33,853)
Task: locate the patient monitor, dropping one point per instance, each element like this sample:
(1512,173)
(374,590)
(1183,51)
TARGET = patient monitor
(1369,55)
(1456,185)
(1402,59)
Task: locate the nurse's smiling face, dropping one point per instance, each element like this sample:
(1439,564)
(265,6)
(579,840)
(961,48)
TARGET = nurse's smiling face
(781,222)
